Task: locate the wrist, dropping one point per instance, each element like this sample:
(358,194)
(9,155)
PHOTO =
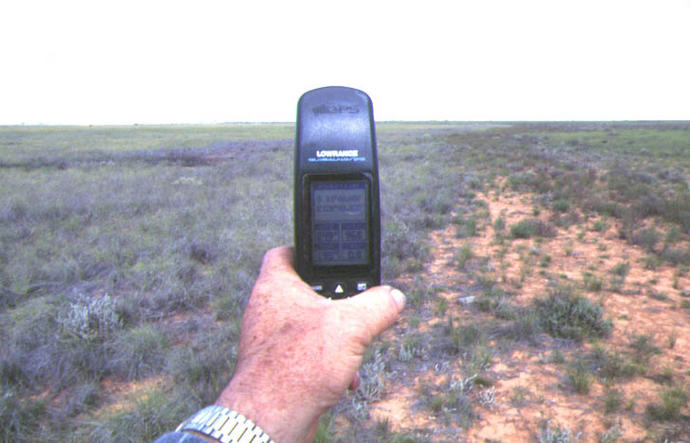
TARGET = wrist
(277,417)
(218,423)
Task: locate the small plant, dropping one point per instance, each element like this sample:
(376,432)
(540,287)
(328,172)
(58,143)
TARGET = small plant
(658,295)
(621,269)
(520,396)
(672,338)
(647,238)
(591,282)
(644,348)
(463,256)
(600,225)
(466,227)
(545,261)
(652,262)
(437,403)
(487,398)
(557,434)
(466,336)
(672,401)
(93,319)
(580,378)
(532,227)
(615,365)
(566,314)
(672,236)
(556,357)
(611,435)
(613,399)
(499,224)
(410,347)
(373,378)
(560,206)
(441,306)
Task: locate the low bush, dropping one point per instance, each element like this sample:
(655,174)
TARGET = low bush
(560,206)
(463,255)
(532,227)
(673,400)
(644,348)
(565,314)
(138,352)
(580,378)
(647,238)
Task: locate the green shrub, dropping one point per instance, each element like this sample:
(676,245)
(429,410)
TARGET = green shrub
(600,225)
(463,256)
(561,205)
(532,227)
(499,224)
(676,256)
(613,399)
(466,227)
(673,400)
(621,269)
(647,238)
(564,314)
(580,378)
(138,352)
(591,282)
(616,365)
(644,348)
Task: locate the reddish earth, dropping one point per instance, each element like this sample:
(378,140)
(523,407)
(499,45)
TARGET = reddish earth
(529,389)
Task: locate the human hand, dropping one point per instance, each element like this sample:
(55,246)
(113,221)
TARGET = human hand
(299,351)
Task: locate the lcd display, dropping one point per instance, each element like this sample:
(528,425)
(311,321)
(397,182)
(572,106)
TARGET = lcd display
(340,222)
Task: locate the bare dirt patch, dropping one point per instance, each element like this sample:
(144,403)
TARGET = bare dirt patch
(530,389)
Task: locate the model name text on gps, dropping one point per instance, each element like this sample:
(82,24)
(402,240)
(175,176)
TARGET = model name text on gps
(336,153)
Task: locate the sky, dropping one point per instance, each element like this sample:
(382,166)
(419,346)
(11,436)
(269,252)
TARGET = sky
(151,62)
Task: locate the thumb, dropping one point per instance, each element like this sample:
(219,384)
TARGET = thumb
(377,308)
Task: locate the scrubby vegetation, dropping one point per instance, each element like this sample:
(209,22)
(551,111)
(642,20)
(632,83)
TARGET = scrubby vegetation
(127,255)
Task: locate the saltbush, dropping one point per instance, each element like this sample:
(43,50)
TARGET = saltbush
(568,315)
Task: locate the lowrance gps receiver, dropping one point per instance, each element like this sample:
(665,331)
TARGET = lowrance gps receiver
(337,221)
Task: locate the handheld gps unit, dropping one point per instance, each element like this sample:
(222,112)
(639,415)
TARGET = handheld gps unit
(337,221)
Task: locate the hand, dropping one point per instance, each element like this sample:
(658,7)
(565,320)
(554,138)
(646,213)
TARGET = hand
(299,351)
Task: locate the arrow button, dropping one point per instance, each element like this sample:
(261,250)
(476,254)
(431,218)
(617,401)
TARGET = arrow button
(339,289)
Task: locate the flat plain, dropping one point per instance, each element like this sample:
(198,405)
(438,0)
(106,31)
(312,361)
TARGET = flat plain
(547,268)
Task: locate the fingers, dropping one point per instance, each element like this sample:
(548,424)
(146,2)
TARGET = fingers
(378,308)
(354,384)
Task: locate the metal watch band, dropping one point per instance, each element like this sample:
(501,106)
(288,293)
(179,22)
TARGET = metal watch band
(224,425)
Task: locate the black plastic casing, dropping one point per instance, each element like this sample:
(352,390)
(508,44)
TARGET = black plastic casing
(335,145)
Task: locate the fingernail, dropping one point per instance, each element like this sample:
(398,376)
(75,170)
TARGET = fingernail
(399,298)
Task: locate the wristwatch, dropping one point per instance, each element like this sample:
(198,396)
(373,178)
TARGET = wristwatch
(224,425)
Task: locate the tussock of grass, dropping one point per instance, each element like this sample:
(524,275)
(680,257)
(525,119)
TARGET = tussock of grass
(565,314)
(673,400)
(532,227)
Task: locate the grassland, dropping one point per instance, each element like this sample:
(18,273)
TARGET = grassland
(127,254)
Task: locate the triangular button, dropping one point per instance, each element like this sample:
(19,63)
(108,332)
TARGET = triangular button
(339,289)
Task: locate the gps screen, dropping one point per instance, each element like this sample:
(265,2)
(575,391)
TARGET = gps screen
(340,234)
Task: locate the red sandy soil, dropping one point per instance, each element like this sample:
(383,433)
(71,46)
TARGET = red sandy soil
(526,370)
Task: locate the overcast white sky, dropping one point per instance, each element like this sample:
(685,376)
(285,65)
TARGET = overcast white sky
(123,62)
